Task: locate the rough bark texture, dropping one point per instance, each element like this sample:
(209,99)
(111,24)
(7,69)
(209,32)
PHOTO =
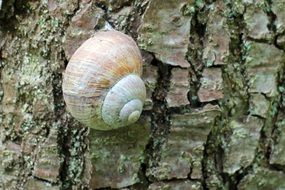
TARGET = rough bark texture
(215,113)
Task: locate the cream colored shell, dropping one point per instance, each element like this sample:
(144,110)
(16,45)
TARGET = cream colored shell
(102,87)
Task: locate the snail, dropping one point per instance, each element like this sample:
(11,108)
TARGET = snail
(101,86)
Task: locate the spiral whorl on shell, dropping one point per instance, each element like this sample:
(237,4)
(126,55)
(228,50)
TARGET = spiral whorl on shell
(102,87)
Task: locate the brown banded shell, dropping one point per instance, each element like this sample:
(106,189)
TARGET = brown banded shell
(102,87)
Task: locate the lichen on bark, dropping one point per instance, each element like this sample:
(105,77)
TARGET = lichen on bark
(214,115)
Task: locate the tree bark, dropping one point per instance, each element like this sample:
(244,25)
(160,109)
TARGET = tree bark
(214,117)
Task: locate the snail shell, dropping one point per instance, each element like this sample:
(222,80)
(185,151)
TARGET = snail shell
(102,87)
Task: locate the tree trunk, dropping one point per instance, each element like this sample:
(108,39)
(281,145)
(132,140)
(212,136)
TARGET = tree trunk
(214,117)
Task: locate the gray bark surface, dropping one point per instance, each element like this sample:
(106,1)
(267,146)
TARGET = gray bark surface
(214,117)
